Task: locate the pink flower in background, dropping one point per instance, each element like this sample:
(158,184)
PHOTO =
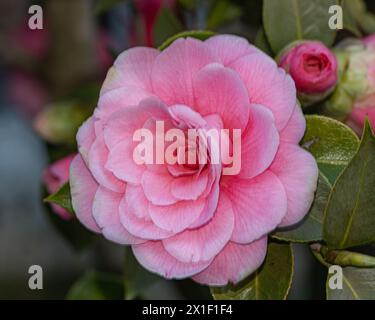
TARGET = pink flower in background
(54,177)
(193,221)
(149,10)
(313,67)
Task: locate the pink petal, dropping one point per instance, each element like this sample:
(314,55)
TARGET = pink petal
(219,90)
(137,202)
(295,128)
(153,257)
(106,213)
(122,165)
(259,205)
(157,187)
(140,227)
(204,243)
(229,47)
(176,217)
(189,187)
(132,68)
(298,172)
(98,156)
(260,141)
(268,85)
(86,137)
(175,68)
(234,263)
(83,188)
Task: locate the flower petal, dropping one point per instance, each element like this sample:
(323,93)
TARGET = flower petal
(259,205)
(295,128)
(204,243)
(83,188)
(268,85)
(106,213)
(298,172)
(155,258)
(234,263)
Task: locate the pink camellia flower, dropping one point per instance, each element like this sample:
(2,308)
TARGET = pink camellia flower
(314,69)
(193,220)
(54,177)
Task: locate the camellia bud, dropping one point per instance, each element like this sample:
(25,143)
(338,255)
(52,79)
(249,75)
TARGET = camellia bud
(354,97)
(54,177)
(313,67)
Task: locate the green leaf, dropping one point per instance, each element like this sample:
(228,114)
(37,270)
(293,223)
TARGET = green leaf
(311,228)
(197,34)
(286,21)
(166,25)
(350,11)
(62,198)
(262,43)
(95,285)
(222,12)
(332,143)
(358,284)
(350,213)
(271,281)
(137,279)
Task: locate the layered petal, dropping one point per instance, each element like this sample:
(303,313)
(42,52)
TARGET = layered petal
(298,172)
(204,243)
(175,68)
(83,188)
(153,256)
(105,210)
(219,90)
(259,205)
(259,141)
(268,86)
(295,128)
(86,137)
(234,263)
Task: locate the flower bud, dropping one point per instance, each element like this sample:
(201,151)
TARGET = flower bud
(313,67)
(54,177)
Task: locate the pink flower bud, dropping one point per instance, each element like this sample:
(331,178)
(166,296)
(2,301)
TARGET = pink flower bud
(54,177)
(313,67)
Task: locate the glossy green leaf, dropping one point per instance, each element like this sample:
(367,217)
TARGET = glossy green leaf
(350,213)
(62,198)
(311,228)
(358,284)
(332,143)
(197,34)
(350,11)
(95,285)
(166,25)
(137,279)
(271,281)
(286,21)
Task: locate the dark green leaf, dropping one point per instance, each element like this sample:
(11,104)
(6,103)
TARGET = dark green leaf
(197,34)
(350,11)
(166,25)
(311,228)
(286,21)
(62,198)
(95,285)
(262,43)
(270,282)
(358,284)
(137,279)
(332,143)
(350,213)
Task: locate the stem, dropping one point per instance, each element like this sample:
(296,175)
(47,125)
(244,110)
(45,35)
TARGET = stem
(342,257)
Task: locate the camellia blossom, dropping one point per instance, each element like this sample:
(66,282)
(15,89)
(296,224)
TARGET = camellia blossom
(313,67)
(191,220)
(54,177)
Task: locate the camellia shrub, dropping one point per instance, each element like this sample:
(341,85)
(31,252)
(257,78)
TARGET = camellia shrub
(210,155)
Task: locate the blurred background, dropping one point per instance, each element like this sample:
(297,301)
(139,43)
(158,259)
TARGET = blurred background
(55,73)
